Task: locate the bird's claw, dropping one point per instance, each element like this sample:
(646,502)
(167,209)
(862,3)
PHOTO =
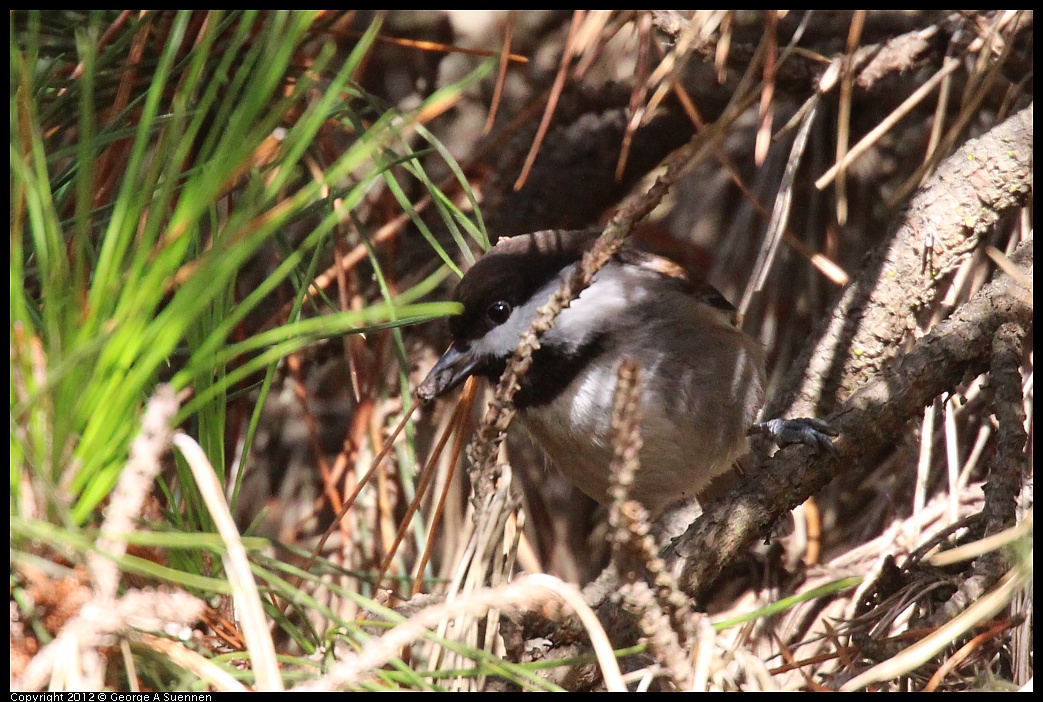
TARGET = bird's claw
(809,431)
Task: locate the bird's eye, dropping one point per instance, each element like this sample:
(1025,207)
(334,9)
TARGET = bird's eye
(499,311)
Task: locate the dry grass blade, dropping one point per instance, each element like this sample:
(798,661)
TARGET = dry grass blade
(552,100)
(637,94)
(445,48)
(427,474)
(828,268)
(501,73)
(771,44)
(879,130)
(956,660)
(977,88)
(295,365)
(524,593)
(847,81)
(489,548)
(982,546)
(928,647)
(192,661)
(705,651)
(1010,269)
(598,638)
(463,410)
(374,465)
(779,214)
(247,598)
(666,74)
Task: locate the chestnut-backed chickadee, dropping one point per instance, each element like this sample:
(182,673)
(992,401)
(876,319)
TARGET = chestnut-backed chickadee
(703,378)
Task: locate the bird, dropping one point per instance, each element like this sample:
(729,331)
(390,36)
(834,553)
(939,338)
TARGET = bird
(703,378)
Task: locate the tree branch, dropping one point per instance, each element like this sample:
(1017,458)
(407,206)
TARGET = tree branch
(985,179)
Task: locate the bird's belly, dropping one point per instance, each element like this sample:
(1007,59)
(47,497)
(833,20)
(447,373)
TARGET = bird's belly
(677,458)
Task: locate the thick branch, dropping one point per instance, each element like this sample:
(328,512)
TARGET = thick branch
(985,179)
(868,422)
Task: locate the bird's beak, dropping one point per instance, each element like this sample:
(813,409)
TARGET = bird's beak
(453,368)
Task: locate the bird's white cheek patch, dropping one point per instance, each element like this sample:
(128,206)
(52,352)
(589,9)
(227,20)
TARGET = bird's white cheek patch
(613,292)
